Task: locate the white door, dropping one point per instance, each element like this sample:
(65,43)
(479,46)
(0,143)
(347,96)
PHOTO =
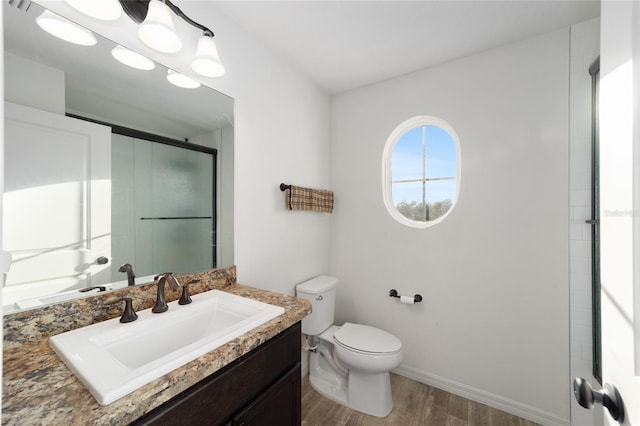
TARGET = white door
(56,203)
(619,209)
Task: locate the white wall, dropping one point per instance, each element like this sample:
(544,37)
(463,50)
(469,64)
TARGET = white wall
(494,324)
(585,48)
(281,135)
(34,84)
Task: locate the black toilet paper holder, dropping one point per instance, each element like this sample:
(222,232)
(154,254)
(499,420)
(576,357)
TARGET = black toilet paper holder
(394,293)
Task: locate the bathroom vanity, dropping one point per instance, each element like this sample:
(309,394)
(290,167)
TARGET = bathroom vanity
(256,375)
(264,384)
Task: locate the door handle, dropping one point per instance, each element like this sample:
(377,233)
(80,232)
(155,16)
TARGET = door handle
(608,396)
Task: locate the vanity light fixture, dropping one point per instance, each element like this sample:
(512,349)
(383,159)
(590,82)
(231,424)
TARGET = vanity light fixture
(64,29)
(132,59)
(105,10)
(207,61)
(181,80)
(158,32)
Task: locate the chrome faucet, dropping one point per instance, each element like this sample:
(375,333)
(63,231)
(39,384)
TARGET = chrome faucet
(131,277)
(161,302)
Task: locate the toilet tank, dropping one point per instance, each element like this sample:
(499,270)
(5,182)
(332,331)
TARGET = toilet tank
(321,292)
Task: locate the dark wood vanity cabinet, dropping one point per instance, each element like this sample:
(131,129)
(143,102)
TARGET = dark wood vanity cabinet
(260,388)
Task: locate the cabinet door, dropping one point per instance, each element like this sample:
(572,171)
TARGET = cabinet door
(217,399)
(278,405)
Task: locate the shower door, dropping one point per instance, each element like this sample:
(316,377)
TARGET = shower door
(163,218)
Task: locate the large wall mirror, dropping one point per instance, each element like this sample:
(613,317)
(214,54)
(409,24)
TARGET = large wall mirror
(106,165)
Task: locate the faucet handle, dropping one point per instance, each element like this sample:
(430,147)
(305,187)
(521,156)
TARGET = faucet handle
(185,299)
(99,287)
(129,315)
(172,281)
(169,279)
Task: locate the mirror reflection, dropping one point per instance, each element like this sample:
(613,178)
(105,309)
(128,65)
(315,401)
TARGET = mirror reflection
(106,166)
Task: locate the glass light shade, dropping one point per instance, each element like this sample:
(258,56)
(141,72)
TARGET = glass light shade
(207,61)
(132,59)
(106,10)
(181,80)
(157,30)
(64,29)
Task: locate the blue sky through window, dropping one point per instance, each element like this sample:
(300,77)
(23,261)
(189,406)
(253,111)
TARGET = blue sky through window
(439,161)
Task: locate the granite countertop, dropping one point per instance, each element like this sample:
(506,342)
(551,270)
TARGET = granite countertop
(38,388)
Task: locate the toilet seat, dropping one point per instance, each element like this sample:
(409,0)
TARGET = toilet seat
(365,339)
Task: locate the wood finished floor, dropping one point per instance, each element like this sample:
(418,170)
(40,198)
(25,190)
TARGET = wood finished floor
(415,404)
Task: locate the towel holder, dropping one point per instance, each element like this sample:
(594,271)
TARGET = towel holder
(284,187)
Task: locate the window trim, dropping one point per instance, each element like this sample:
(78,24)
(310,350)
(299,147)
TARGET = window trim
(392,140)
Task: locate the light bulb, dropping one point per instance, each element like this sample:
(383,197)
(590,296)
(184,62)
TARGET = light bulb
(181,80)
(132,59)
(64,29)
(157,30)
(207,61)
(106,10)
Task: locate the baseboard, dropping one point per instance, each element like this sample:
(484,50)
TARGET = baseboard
(496,401)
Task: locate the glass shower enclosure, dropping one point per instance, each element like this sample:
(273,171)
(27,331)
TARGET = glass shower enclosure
(163,206)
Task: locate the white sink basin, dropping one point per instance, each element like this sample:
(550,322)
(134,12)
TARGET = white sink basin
(113,359)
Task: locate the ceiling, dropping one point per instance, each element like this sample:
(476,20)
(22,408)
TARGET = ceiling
(342,45)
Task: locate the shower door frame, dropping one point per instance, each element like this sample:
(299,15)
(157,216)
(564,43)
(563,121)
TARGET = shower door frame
(594,71)
(151,137)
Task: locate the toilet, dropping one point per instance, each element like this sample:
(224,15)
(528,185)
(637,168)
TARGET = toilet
(348,364)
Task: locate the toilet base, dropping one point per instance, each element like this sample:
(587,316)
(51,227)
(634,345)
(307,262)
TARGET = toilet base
(329,390)
(365,392)
(370,393)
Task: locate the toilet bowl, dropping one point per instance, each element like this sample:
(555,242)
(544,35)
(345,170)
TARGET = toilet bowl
(367,349)
(349,364)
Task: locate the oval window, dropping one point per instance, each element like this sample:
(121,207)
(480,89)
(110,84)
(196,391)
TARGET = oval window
(421,171)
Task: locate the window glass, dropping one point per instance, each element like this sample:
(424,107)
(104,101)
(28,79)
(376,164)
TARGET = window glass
(421,171)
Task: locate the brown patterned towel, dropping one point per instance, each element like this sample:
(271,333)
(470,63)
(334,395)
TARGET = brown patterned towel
(319,200)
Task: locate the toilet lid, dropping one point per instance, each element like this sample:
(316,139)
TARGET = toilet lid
(367,339)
